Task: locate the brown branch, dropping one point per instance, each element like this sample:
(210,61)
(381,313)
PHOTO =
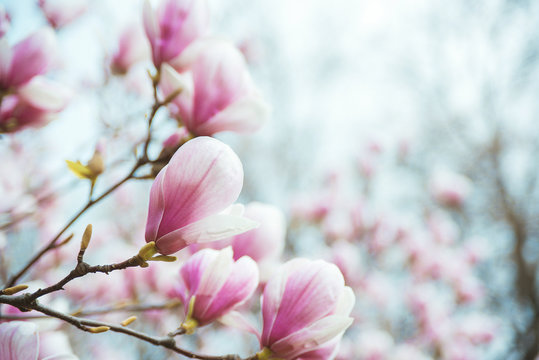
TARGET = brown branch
(25,301)
(107,310)
(91,202)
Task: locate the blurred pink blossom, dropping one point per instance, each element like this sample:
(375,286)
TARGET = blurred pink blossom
(132,48)
(449,189)
(61,12)
(173,26)
(28,58)
(35,104)
(189,197)
(373,344)
(217,92)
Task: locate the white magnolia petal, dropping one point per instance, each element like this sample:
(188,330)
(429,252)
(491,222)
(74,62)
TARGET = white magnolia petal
(45,94)
(346,302)
(245,115)
(311,337)
(216,227)
(234,209)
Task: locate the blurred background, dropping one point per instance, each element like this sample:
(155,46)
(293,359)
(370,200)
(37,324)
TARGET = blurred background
(403,145)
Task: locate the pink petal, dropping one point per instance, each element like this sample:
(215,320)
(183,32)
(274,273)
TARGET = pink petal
(157,207)
(220,78)
(311,293)
(172,81)
(244,116)
(18,341)
(6,53)
(241,283)
(32,56)
(203,177)
(193,270)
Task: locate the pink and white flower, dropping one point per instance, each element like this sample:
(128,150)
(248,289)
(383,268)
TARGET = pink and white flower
(35,104)
(190,198)
(215,284)
(305,307)
(131,49)
(217,94)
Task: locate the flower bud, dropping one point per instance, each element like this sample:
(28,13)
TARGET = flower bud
(189,197)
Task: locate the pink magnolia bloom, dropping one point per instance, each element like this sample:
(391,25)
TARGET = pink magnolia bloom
(449,189)
(132,48)
(304,308)
(173,26)
(35,104)
(30,57)
(61,12)
(19,341)
(190,198)
(218,93)
(217,283)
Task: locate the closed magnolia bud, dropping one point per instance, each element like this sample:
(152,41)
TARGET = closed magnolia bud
(190,196)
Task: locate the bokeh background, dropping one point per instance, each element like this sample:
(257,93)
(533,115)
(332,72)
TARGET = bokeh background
(376,105)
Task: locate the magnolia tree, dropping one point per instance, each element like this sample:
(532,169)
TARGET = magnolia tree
(136,247)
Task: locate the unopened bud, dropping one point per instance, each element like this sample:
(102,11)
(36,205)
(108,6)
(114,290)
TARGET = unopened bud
(86,237)
(98,329)
(14,289)
(128,321)
(96,164)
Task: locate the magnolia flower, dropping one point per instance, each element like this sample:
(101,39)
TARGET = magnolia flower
(30,57)
(304,308)
(61,12)
(449,189)
(19,341)
(217,92)
(173,26)
(34,105)
(132,48)
(190,198)
(213,284)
